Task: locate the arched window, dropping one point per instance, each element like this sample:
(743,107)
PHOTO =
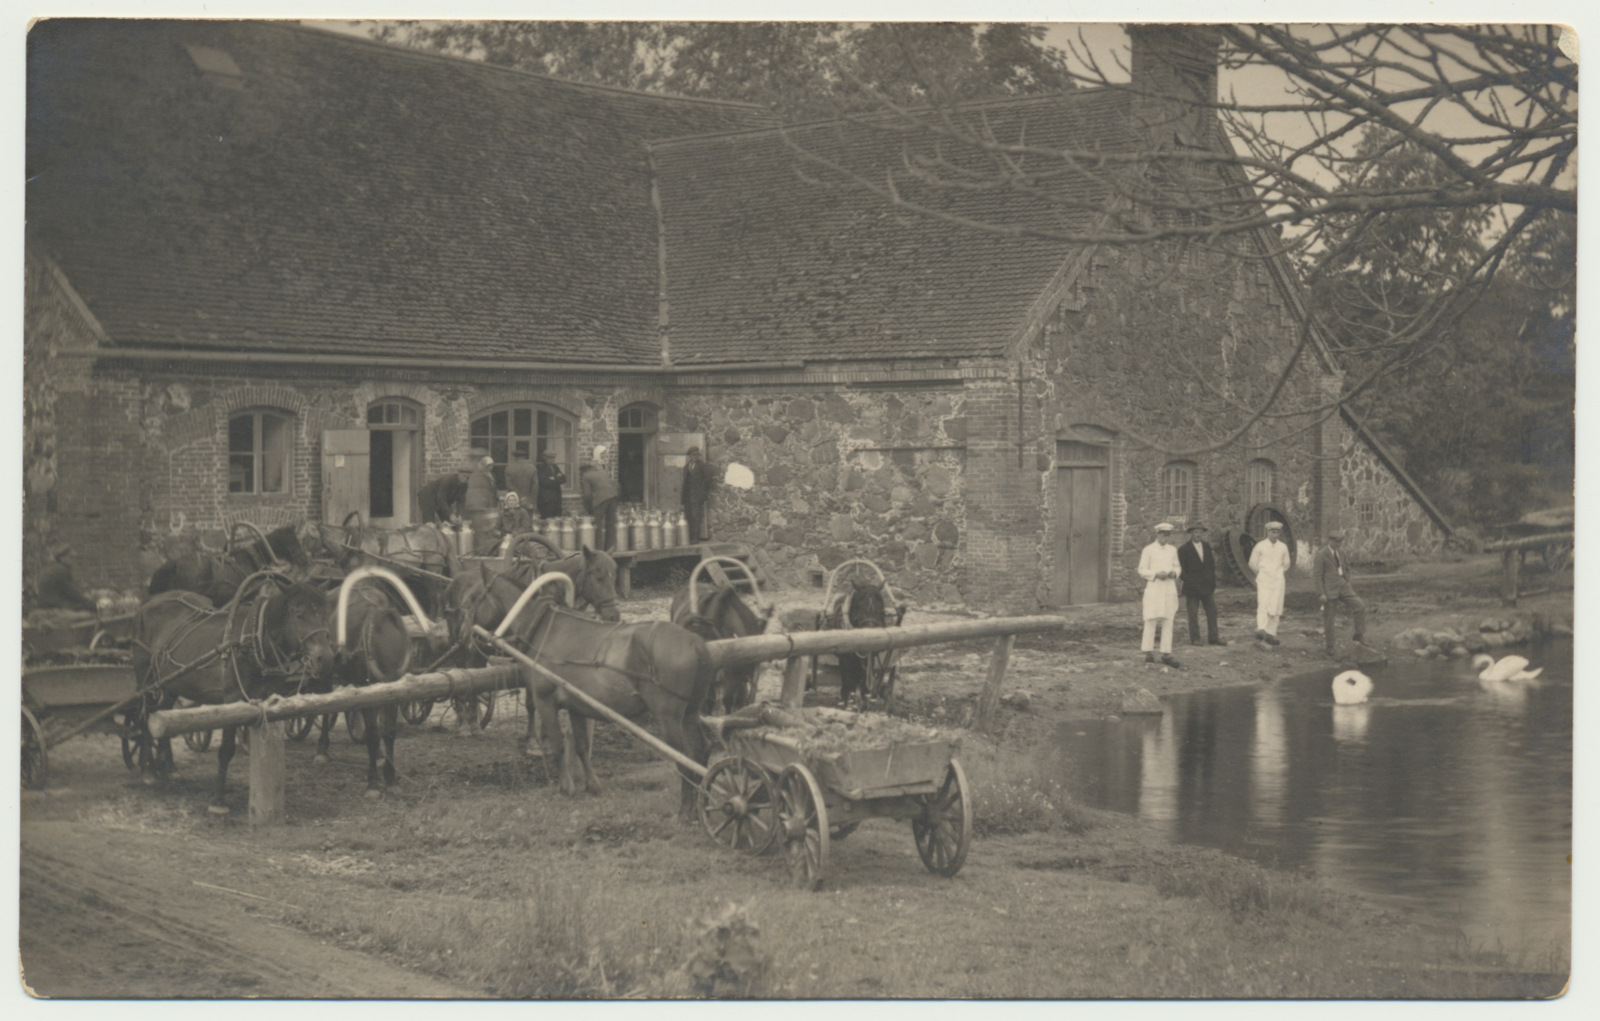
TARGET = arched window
(259,441)
(525,428)
(1177,488)
(1258,478)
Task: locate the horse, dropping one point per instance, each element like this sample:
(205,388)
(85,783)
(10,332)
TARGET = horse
(423,554)
(721,612)
(270,639)
(655,667)
(866,606)
(483,597)
(371,646)
(217,576)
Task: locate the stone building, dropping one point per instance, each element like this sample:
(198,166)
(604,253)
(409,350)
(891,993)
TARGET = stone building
(274,273)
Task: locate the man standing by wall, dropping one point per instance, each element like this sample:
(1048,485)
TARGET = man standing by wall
(1158,566)
(551,479)
(522,478)
(1270,561)
(1199,565)
(697,482)
(440,500)
(599,492)
(1333,585)
(482,504)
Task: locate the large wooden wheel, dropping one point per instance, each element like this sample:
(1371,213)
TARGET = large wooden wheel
(738,806)
(35,763)
(943,830)
(416,713)
(803,817)
(297,727)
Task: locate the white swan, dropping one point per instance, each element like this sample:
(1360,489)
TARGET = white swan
(1351,687)
(1511,668)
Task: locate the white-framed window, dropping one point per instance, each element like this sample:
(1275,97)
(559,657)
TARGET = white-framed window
(259,441)
(1258,480)
(525,428)
(1177,488)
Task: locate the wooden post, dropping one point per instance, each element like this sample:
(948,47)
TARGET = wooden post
(794,682)
(1510,564)
(624,578)
(990,697)
(266,774)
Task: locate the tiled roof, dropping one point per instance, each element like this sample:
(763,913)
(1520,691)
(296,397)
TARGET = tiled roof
(336,195)
(763,264)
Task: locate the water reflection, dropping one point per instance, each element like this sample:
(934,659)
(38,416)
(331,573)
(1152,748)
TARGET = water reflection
(1441,794)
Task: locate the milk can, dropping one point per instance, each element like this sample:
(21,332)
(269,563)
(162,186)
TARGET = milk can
(624,543)
(464,540)
(657,532)
(586,532)
(682,525)
(636,536)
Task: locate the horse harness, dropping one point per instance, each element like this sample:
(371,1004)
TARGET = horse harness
(547,610)
(250,646)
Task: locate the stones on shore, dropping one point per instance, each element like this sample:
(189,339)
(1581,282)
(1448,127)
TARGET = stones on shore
(1137,701)
(1489,633)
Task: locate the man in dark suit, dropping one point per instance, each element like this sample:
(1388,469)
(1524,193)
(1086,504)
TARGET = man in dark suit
(1199,563)
(1332,576)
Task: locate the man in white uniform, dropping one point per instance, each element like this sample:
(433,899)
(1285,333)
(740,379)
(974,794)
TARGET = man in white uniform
(1158,566)
(1270,562)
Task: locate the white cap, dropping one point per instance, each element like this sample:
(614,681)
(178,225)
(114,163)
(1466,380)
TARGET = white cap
(599,453)
(1164,527)
(1274,524)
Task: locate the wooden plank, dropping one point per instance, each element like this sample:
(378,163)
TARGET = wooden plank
(990,697)
(266,775)
(1510,564)
(726,652)
(411,688)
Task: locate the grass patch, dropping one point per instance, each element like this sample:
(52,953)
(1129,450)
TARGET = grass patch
(1012,793)
(1249,890)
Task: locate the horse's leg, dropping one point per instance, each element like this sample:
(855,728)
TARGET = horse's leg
(369,716)
(529,741)
(467,716)
(851,677)
(390,716)
(582,743)
(224,757)
(324,726)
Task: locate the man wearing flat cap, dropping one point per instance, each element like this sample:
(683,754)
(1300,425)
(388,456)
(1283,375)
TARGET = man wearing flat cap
(482,503)
(697,483)
(56,588)
(1333,584)
(1158,566)
(1199,564)
(1270,562)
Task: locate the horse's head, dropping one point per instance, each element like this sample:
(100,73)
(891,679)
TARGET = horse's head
(866,605)
(596,583)
(285,542)
(734,615)
(296,622)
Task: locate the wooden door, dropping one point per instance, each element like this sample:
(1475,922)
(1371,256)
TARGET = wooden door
(346,464)
(1083,505)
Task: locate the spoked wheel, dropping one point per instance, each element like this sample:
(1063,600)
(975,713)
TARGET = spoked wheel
(297,727)
(804,820)
(198,740)
(356,725)
(35,764)
(944,829)
(130,744)
(416,713)
(738,806)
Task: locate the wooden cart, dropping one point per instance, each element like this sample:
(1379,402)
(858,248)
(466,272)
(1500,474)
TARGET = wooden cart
(60,702)
(770,789)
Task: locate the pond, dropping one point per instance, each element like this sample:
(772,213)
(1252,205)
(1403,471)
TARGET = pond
(1446,799)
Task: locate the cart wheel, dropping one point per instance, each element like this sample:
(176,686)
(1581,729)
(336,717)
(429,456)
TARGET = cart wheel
(297,727)
(944,829)
(35,764)
(843,830)
(416,713)
(738,807)
(356,724)
(130,747)
(198,740)
(804,819)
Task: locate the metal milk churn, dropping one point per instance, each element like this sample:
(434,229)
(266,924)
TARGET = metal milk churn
(565,534)
(623,542)
(656,538)
(586,532)
(464,540)
(682,524)
(636,539)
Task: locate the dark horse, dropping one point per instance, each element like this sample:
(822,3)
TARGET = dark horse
(865,606)
(653,667)
(217,575)
(271,639)
(483,597)
(375,648)
(720,611)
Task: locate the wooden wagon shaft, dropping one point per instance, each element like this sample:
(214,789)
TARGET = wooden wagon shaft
(600,707)
(727,652)
(410,688)
(1529,541)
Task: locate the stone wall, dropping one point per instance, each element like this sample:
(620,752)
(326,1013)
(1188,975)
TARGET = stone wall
(1381,519)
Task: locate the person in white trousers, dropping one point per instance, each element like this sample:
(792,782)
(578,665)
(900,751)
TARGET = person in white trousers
(1270,562)
(1158,566)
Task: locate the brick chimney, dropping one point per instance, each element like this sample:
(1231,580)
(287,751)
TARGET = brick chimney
(1175,75)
